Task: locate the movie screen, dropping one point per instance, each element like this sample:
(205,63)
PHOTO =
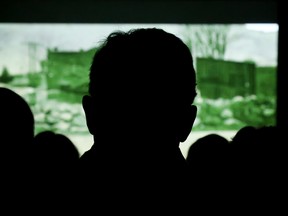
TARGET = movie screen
(236,65)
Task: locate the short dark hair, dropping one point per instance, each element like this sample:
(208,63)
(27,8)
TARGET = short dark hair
(143,65)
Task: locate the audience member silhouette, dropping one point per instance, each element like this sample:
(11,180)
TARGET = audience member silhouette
(254,146)
(245,135)
(55,153)
(208,151)
(259,165)
(55,157)
(209,161)
(17,125)
(16,137)
(139,108)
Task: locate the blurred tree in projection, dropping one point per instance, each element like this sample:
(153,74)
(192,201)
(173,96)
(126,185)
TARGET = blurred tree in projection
(5,76)
(209,41)
(231,93)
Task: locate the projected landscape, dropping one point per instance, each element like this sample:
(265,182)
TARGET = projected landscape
(48,64)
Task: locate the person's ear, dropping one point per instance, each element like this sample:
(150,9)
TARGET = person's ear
(89,109)
(188,117)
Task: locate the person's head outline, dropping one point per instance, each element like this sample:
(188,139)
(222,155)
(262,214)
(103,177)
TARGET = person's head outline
(143,76)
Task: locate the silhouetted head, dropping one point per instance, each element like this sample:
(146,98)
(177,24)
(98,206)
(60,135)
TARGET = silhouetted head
(17,121)
(209,149)
(255,145)
(54,148)
(268,134)
(142,83)
(245,135)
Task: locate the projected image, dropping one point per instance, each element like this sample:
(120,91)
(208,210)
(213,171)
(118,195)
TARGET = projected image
(236,64)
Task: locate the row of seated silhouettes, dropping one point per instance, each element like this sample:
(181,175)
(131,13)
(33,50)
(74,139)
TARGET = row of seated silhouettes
(139,109)
(38,165)
(248,166)
(216,164)
(213,159)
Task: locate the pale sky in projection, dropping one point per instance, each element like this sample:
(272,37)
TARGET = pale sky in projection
(14,40)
